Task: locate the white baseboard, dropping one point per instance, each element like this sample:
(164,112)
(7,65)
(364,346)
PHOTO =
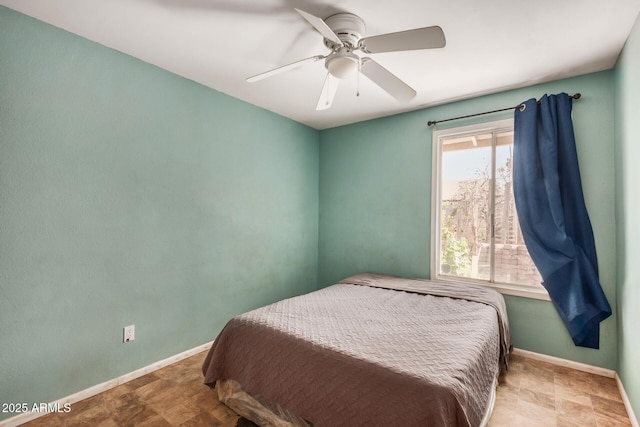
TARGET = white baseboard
(627,403)
(585,368)
(609,373)
(107,385)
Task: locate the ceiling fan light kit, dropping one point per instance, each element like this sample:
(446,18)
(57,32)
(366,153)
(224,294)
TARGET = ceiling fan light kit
(342,34)
(342,64)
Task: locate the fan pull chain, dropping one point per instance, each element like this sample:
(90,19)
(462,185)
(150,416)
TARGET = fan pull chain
(326,97)
(358,79)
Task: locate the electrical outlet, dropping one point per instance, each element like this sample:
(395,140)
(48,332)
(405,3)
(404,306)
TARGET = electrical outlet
(129,333)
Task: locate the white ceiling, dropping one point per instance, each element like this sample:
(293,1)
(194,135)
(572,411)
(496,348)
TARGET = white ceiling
(492,45)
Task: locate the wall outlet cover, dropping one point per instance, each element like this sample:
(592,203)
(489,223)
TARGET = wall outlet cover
(129,333)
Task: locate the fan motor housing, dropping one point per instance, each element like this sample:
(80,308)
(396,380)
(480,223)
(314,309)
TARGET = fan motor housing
(348,27)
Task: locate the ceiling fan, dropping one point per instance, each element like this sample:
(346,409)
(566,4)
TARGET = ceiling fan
(342,34)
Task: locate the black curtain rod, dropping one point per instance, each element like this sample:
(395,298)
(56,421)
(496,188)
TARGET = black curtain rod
(433,122)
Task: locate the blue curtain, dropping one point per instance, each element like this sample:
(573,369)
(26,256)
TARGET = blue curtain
(553,216)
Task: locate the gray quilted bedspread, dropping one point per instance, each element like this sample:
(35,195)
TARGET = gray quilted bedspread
(354,355)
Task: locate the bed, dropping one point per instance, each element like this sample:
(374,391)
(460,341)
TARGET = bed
(371,350)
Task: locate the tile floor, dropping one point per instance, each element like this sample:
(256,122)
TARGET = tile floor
(536,393)
(533,393)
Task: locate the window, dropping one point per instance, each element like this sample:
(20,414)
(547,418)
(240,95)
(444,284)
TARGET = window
(475,231)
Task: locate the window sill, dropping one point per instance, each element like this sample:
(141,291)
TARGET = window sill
(503,288)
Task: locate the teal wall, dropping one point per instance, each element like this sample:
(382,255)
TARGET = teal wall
(627,214)
(375,198)
(375,189)
(129,195)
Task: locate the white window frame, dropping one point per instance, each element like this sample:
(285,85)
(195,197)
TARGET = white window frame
(436,200)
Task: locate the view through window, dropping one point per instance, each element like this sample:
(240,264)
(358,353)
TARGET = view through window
(477,230)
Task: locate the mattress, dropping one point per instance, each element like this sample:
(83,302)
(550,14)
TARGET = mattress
(371,350)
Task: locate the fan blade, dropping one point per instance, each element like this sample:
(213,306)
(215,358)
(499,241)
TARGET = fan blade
(420,38)
(386,80)
(284,68)
(329,90)
(321,26)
